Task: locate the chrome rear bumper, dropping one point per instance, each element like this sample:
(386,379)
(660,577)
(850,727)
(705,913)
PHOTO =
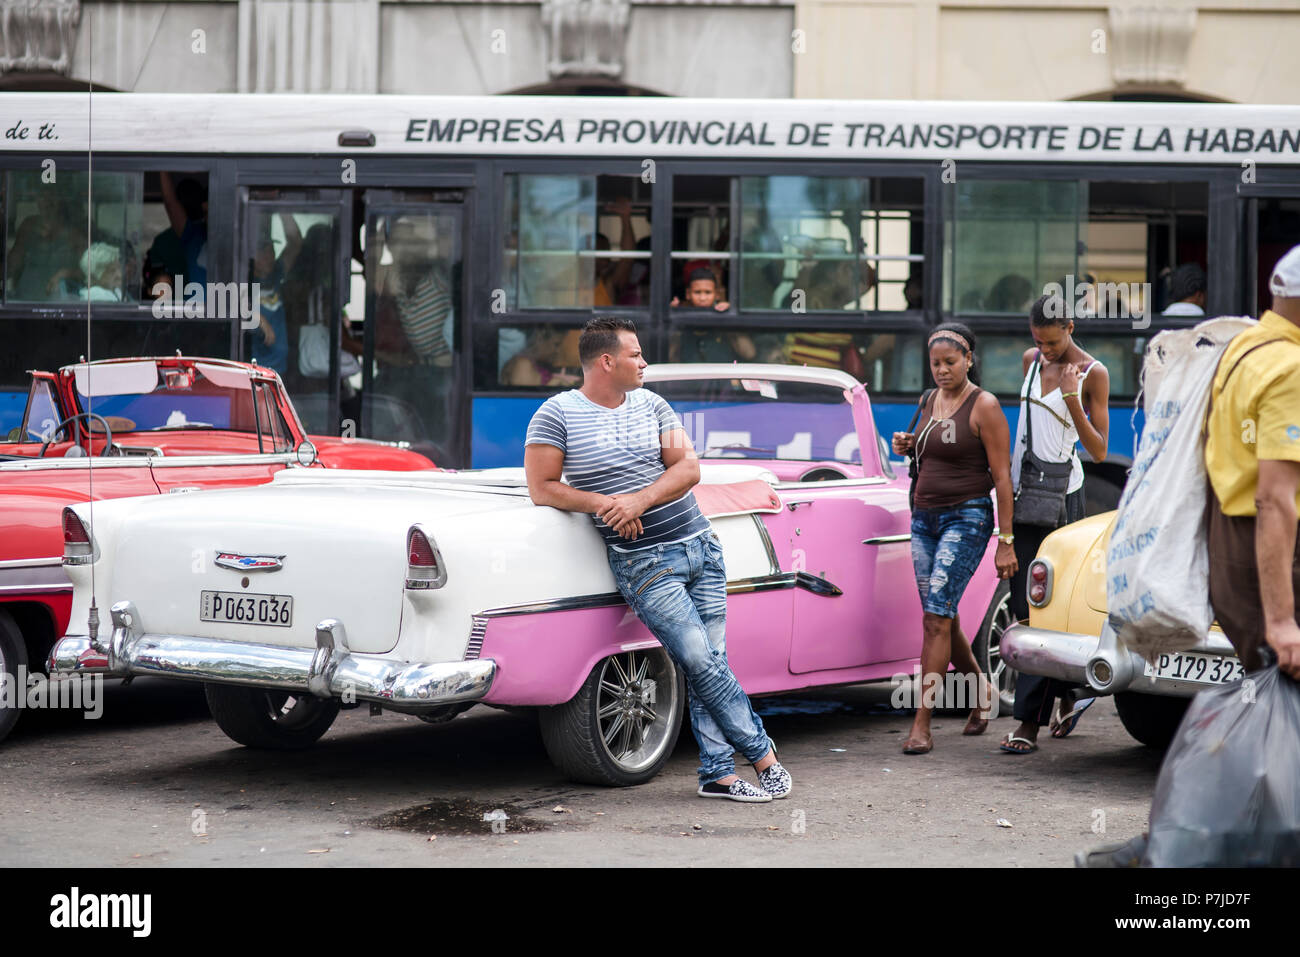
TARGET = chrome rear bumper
(329,670)
(1101,664)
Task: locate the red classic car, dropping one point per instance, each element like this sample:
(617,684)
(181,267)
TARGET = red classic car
(140,426)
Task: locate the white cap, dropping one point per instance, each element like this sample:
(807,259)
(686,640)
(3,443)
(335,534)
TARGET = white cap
(1286,276)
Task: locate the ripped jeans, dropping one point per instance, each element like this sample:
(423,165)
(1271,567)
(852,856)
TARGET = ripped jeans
(680,592)
(947,546)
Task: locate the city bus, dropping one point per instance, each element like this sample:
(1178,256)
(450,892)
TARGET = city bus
(421,266)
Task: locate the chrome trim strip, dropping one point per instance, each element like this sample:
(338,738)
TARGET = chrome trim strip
(829,483)
(607,600)
(476,635)
(47,576)
(36,588)
(141,462)
(324,669)
(29,562)
(740,586)
(774,564)
(816,584)
(887,539)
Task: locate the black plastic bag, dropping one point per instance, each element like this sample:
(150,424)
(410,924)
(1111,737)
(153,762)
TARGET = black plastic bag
(1228,794)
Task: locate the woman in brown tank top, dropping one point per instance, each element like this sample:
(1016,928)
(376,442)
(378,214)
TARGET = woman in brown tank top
(962,452)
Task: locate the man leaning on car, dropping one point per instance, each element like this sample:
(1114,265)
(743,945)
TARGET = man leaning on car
(1252,455)
(619,453)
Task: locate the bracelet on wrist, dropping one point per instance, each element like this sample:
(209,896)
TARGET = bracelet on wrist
(1066,395)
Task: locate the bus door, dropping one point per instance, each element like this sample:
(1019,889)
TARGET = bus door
(293,261)
(415,369)
(1271,226)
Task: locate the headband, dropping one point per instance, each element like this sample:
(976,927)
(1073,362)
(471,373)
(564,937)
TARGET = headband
(949,334)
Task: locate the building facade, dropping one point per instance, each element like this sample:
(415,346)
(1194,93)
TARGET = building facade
(1229,50)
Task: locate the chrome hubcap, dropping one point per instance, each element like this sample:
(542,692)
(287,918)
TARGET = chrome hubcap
(290,711)
(1002,675)
(636,704)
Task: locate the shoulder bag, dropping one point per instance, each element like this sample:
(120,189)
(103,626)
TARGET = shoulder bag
(1040,500)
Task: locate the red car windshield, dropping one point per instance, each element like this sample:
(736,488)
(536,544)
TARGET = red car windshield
(145,397)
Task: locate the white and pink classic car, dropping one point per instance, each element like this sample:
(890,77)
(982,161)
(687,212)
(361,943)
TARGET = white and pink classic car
(428,592)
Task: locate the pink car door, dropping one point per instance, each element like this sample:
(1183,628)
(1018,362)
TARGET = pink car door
(852,537)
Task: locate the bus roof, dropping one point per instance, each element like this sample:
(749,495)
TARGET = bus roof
(651,127)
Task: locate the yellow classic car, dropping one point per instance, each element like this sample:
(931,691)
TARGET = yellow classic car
(1068,637)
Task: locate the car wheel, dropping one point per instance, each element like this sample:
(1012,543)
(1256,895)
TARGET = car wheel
(13,662)
(275,720)
(987,647)
(1152,719)
(621,726)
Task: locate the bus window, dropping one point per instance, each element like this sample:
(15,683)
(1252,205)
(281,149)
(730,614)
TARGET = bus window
(576,242)
(48,259)
(886,362)
(413,272)
(1277,232)
(1002,368)
(536,357)
(1108,247)
(811,244)
(701,236)
(175,225)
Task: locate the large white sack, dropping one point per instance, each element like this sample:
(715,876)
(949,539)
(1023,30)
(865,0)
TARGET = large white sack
(1157,579)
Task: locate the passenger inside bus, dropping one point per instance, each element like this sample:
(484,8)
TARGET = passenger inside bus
(1186,291)
(182,249)
(542,362)
(1011,293)
(101,265)
(45,250)
(702,291)
(270,341)
(612,274)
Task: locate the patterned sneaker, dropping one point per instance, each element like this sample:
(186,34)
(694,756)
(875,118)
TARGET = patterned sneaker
(737,790)
(776,781)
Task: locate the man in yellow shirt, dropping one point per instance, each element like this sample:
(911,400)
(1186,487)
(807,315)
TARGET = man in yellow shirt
(1252,455)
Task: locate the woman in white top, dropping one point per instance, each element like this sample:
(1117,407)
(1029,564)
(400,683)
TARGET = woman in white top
(1067,392)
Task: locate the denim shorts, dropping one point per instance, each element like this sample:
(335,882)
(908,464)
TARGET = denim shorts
(947,546)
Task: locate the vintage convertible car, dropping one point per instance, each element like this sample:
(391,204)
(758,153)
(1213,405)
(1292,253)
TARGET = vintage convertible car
(427,592)
(1068,637)
(136,427)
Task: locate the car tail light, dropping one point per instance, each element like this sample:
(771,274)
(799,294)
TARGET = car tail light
(78,549)
(424,567)
(1040,582)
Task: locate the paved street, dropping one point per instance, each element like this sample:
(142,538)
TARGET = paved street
(124,790)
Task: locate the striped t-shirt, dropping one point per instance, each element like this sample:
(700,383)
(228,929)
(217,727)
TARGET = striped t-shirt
(424,313)
(615,451)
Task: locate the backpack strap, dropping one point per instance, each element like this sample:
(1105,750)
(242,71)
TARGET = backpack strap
(1205,425)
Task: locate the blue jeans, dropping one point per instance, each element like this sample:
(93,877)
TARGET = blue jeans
(680,593)
(947,546)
